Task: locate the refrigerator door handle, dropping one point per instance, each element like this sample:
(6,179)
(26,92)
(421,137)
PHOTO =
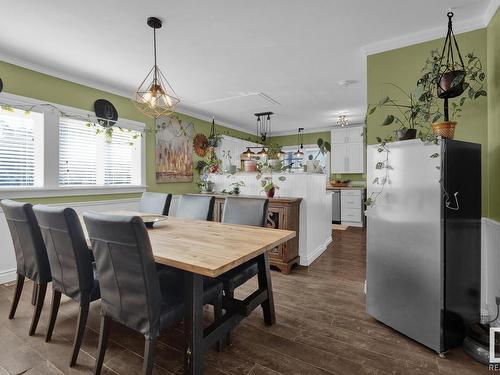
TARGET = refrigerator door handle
(450,204)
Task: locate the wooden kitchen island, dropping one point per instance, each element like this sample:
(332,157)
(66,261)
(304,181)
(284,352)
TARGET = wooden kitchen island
(283,213)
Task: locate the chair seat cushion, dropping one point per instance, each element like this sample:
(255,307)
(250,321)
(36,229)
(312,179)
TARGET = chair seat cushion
(239,275)
(172,290)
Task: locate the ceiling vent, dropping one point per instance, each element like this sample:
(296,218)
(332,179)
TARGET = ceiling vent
(243,102)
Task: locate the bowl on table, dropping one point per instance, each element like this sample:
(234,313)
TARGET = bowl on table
(150,220)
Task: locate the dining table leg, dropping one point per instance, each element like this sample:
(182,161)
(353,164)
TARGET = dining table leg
(193,324)
(265,283)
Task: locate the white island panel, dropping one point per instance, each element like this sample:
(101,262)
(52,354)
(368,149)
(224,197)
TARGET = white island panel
(315,225)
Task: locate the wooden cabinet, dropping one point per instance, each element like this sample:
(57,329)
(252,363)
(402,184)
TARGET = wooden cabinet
(348,150)
(283,213)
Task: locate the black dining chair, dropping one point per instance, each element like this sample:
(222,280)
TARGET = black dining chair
(71,262)
(196,207)
(243,211)
(133,293)
(155,203)
(31,255)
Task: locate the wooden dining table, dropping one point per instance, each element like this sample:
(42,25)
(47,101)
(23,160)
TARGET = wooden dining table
(207,248)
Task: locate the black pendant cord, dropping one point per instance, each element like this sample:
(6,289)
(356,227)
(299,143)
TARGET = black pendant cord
(449,42)
(156,66)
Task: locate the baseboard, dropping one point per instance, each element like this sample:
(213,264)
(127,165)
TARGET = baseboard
(353,224)
(316,253)
(7,276)
(490,266)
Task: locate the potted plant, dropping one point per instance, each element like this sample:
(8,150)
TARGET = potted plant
(269,186)
(234,188)
(273,157)
(454,80)
(312,165)
(410,114)
(205,185)
(212,163)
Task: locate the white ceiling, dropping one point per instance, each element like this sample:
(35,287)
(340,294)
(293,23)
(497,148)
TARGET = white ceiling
(220,55)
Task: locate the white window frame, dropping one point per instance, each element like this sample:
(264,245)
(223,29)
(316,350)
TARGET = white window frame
(311,146)
(50,168)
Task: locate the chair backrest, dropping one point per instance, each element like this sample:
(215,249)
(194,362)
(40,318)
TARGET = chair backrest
(196,207)
(155,203)
(245,211)
(130,290)
(69,256)
(31,255)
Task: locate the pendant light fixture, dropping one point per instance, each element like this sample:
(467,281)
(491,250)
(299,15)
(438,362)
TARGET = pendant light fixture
(249,153)
(300,142)
(264,125)
(155,96)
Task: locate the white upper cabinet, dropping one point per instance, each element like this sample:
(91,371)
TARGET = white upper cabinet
(348,150)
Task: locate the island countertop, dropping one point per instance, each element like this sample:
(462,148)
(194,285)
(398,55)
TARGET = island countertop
(271,200)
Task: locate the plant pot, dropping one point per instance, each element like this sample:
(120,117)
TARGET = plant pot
(270,193)
(275,164)
(232,169)
(208,188)
(405,134)
(250,166)
(446,89)
(445,129)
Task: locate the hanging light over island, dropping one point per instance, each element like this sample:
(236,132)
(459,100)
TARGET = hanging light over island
(155,97)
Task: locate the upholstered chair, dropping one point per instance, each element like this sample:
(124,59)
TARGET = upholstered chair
(71,262)
(31,256)
(133,293)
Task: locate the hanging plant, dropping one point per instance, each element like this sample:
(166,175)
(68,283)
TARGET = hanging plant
(200,144)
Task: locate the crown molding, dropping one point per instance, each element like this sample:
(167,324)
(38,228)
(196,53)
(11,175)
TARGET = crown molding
(490,11)
(102,87)
(427,35)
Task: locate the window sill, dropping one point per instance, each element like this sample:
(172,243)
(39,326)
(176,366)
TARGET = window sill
(40,192)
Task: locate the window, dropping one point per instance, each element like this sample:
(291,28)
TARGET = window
(51,150)
(21,139)
(88,158)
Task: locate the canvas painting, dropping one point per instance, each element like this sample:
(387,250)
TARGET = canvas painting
(174,150)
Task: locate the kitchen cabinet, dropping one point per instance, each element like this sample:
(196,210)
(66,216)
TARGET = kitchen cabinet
(348,150)
(351,207)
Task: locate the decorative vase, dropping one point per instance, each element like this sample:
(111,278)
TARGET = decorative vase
(445,129)
(405,134)
(270,193)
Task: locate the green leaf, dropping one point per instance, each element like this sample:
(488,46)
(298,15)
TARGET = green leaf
(436,117)
(462,101)
(383,101)
(379,140)
(471,93)
(482,76)
(319,142)
(328,147)
(388,120)
(435,155)
(479,93)
(370,112)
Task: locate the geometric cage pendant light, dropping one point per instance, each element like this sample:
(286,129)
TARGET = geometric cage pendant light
(155,97)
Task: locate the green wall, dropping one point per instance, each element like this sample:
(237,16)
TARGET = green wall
(311,138)
(494,115)
(402,67)
(28,83)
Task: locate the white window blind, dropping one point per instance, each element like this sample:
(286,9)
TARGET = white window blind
(20,137)
(87,158)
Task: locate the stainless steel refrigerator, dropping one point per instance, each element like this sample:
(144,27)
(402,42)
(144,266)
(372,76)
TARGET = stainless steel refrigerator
(424,238)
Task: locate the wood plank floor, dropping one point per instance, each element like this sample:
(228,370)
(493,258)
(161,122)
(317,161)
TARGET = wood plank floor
(322,328)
